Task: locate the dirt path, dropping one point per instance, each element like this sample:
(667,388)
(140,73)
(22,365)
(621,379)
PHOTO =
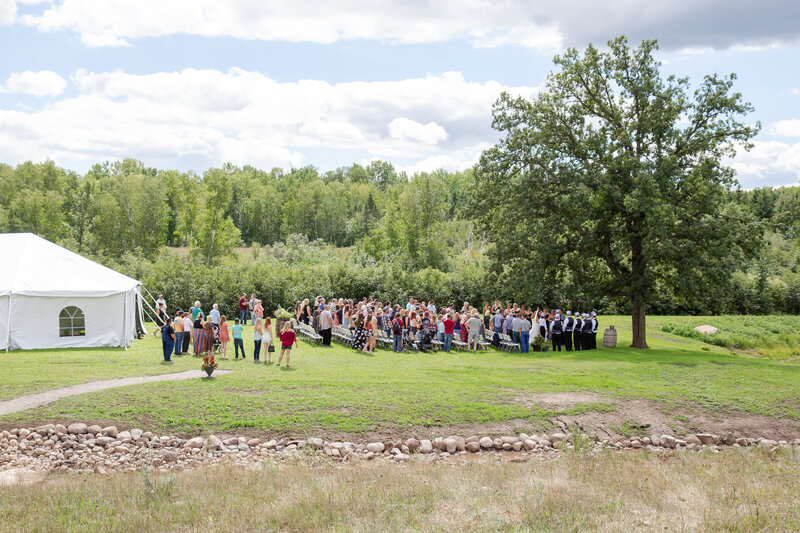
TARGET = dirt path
(35,400)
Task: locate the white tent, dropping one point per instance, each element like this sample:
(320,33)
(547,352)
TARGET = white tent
(53,298)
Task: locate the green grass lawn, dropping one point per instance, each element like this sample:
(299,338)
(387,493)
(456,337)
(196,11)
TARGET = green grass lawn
(339,391)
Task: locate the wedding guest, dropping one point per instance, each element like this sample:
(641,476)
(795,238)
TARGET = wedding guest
(198,337)
(187,332)
(167,340)
(238,340)
(267,339)
(288,339)
(224,336)
(177,325)
(258,333)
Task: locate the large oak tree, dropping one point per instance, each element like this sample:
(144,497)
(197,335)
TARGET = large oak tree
(613,179)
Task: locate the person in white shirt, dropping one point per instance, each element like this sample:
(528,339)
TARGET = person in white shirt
(214,314)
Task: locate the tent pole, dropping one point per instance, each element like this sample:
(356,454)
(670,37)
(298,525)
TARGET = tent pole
(8,325)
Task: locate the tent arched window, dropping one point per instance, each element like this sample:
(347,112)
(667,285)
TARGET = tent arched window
(71,322)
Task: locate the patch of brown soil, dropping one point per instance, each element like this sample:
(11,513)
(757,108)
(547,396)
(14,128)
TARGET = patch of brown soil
(645,417)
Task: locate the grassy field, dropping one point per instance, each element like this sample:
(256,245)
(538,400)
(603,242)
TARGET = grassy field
(338,392)
(776,337)
(734,491)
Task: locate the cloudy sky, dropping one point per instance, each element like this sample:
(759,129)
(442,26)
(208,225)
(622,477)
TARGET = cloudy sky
(191,84)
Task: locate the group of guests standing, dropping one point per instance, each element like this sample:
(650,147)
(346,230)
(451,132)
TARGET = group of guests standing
(209,334)
(412,321)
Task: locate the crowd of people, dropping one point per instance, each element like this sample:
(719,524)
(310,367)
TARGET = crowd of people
(423,320)
(415,322)
(211,334)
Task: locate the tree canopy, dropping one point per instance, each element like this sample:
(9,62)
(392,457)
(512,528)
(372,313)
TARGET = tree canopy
(613,179)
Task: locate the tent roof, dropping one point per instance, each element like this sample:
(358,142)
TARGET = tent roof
(33,266)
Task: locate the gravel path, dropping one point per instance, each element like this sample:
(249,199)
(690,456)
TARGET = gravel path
(35,400)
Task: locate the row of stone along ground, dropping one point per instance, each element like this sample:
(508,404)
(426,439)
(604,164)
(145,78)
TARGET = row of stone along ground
(91,448)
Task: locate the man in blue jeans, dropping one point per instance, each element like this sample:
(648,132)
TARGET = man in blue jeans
(243,306)
(449,325)
(397,334)
(525,335)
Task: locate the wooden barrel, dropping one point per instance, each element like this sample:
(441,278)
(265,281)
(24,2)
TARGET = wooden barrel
(610,337)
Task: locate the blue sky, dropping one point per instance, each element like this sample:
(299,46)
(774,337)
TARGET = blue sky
(191,85)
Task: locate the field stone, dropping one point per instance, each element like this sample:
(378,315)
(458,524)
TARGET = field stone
(472,438)
(425,446)
(668,441)
(376,447)
(707,329)
(473,447)
(45,429)
(729,439)
(412,444)
(255,441)
(315,442)
(460,442)
(94,429)
(60,428)
(767,444)
(213,443)
(450,445)
(529,444)
(517,446)
(692,439)
(78,428)
(231,441)
(486,443)
(194,443)
(705,438)
(110,431)
(136,433)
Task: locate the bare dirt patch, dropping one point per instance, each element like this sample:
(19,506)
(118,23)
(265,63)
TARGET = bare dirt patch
(645,417)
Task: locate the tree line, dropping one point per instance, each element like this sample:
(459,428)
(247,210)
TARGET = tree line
(607,190)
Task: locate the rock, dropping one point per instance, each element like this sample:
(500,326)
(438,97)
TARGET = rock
(706,329)
(412,445)
(136,433)
(401,457)
(45,429)
(254,442)
(60,428)
(110,431)
(767,444)
(450,445)
(729,439)
(473,438)
(376,447)
(524,436)
(529,444)
(243,447)
(692,439)
(668,441)
(473,447)
(94,429)
(315,442)
(213,442)
(124,435)
(544,443)
(77,428)
(425,446)
(655,440)
(460,442)
(517,446)
(508,440)
(486,443)
(438,443)
(196,442)
(557,437)
(103,441)
(705,438)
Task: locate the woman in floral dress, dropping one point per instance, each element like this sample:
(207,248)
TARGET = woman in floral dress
(360,334)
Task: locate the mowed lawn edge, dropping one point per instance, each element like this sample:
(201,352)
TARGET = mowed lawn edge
(338,391)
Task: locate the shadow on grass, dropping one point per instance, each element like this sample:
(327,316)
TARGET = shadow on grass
(287,368)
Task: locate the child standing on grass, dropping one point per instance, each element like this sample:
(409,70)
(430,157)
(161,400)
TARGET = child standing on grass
(238,340)
(268,347)
(224,337)
(258,333)
(288,339)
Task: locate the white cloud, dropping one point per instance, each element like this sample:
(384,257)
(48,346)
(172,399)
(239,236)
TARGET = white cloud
(794,91)
(787,128)
(42,83)
(8,12)
(768,159)
(403,129)
(207,117)
(483,22)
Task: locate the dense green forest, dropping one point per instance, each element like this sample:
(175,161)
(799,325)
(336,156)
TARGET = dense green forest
(356,231)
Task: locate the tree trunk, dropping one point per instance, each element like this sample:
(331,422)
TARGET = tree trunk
(639,329)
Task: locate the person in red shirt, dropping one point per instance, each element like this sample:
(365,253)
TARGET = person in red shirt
(288,339)
(244,305)
(449,325)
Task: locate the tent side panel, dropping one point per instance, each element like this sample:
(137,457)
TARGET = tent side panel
(4,321)
(35,321)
